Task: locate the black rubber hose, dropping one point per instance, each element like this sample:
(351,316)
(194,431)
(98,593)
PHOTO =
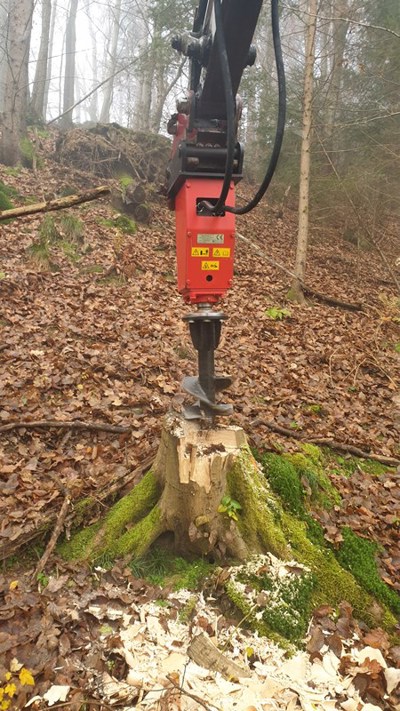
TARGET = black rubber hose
(218,208)
(280,70)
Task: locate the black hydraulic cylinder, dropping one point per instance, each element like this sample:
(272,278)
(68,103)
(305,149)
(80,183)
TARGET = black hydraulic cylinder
(239,23)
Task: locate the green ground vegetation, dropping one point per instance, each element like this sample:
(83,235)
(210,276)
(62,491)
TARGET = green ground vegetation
(121,222)
(65,233)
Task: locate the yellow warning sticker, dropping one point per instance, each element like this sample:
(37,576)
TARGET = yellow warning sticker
(210,266)
(200,252)
(221,252)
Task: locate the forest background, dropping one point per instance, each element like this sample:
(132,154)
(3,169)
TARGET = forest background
(118,55)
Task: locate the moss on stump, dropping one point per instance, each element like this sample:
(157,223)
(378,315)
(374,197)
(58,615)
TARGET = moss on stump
(266,508)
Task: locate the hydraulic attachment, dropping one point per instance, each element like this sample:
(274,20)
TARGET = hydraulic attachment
(206,163)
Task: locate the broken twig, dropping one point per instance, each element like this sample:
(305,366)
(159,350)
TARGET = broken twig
(69,424)
(54,536)
(328,442)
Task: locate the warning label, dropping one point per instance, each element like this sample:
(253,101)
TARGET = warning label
(221,252)
(210,266)
(200,252)
(210,239)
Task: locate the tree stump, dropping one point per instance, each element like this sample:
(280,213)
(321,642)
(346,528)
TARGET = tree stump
(179,499)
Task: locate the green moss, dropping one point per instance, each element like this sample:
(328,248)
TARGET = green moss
(284,481)
(28,153)
(111,535)
(188,610)
(315,481)
(358,555)
(5,202)
(190,574)
(125,224)
(161,567)
(348,465)
(122,222)
(124,180)
(333,583)
(313,453)
(250,618)
(137,539)
(299,477)
(258,519)
(282,603)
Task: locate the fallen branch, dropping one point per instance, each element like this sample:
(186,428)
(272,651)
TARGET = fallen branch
(57,204)
(69,424)
(332,301)
(328,442)
(307,289)
(179,688)
(54,536)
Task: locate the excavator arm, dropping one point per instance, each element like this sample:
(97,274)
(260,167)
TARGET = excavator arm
(205,164)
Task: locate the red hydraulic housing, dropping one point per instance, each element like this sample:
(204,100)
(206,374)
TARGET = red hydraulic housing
(204,244)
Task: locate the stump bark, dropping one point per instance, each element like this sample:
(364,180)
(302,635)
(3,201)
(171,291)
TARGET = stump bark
(179,499)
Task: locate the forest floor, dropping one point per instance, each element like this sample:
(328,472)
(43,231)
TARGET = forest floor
(92,330)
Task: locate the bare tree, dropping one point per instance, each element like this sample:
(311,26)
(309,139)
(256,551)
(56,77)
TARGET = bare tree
(69,77)
(296,292)
(50,58)
(4,6)
(15,99)
(112,64)
(39,84)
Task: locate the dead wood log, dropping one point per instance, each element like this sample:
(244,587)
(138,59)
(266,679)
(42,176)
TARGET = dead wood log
(133,200)
(142,213)
(204,653)
(328,442)
(57,204)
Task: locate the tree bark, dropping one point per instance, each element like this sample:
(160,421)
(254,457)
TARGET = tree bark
(296,292)
(50,58)
(69,78)
(4,9)
(111,65)
(15,85)
(39,84)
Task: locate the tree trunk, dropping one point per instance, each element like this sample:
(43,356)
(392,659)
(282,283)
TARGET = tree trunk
(296,291)
(50,59)
(69,78)
(111,65)
(39,84)
(4,7)
(179,501)
(93,107)
(15,84)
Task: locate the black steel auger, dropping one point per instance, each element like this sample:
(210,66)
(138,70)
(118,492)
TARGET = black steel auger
(205,331)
